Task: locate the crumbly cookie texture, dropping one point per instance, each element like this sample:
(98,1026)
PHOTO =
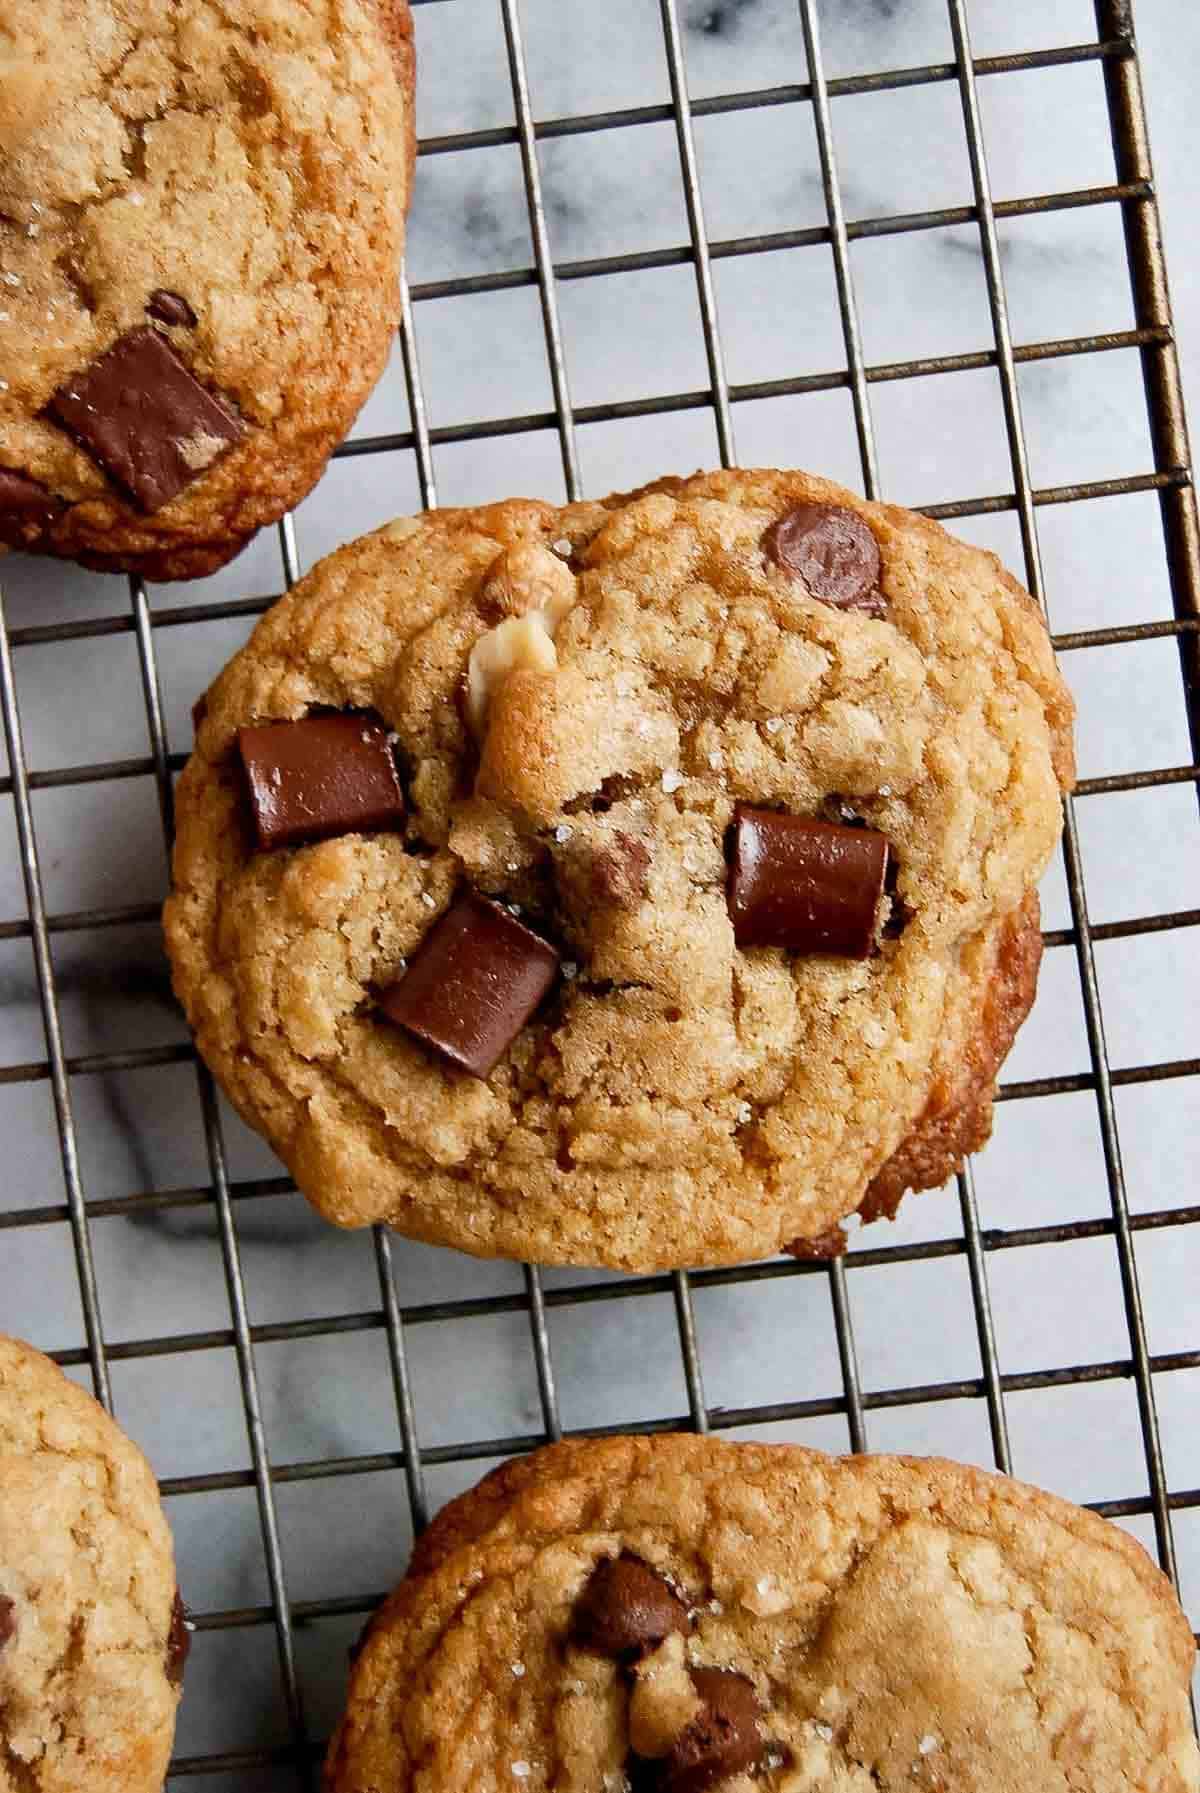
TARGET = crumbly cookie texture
(678,1099)
(90,1632)
(233,175)
(900,1624)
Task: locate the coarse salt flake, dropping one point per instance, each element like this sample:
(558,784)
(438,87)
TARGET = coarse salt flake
(570,969)
(745,1114)
(429,902)
(562,833)
(518,1669)
(521,1770)
(928,1744)
(671,780)
(773,724)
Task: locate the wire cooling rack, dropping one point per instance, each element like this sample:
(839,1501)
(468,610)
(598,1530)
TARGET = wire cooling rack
(287,1758)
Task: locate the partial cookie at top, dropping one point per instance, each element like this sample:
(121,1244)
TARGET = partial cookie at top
(201,222)
(676,1614)
(770,838)
(92,1638)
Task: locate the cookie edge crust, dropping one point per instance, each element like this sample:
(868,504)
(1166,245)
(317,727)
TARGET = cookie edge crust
(516,1503)
(249,489)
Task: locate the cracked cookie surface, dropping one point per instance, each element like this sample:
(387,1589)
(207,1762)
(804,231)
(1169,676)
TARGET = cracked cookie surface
(232,174)
(677,1099)
(90,1632)
(901,1623)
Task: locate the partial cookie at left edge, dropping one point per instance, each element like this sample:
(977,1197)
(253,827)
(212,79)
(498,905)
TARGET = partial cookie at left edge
(92,1632)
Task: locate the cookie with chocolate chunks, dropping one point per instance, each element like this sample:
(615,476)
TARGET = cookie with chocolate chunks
(90,1664)
(869,1624)
(711,913)
(201,224)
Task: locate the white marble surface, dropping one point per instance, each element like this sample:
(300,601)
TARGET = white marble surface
(629,336)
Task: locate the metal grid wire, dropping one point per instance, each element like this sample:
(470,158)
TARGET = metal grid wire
(1170,478)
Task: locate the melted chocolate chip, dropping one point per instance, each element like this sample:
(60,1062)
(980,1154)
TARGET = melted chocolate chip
(723,1740)
(8,1620)
(179,1642)
(320,776)
(170,308)
(812,886)
(833,551)
(26,508)
(627,1609)
(142,414)
(619,870)
(475,980)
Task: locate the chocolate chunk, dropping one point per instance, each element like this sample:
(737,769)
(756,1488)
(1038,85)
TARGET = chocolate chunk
(145,417)
(170,308)
(476,979)
(26,508)
(723,1740)
(320,776)
(812,886)
(833,551)
(8,1620)
(619,870)
(179,1642)
(627,1609)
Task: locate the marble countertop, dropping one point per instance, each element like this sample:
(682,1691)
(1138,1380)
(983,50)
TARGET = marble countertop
(630,336)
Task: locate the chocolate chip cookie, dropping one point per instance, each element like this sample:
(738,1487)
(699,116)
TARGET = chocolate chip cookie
(668,1615)
(641,883)
(201,220)
(92,1632)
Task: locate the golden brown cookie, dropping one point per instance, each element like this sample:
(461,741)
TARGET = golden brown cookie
(201,220)
(92,1635)
(674,1614)
(703,909)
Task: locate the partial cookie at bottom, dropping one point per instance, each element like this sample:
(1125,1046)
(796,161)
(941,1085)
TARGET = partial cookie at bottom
(894,1624)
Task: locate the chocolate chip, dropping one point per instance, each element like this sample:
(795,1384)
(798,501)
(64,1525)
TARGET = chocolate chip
(627,1609)
(723,1740)
(179,1642)
(26,508)
(170,308)
(619,870)
(320,776)
(812,886)
(8,1620)
(832,550)
(477,977)
(146,418)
